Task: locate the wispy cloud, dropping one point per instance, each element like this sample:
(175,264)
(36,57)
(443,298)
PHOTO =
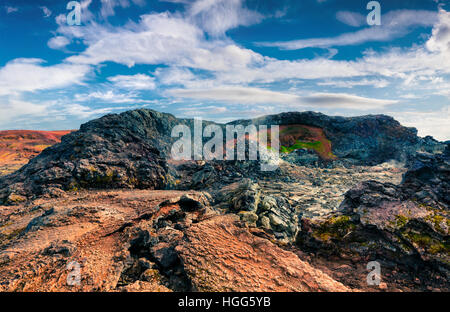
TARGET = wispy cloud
(248,95)
(218,16)
(108,96)
(108,7)
(428,122)
(376,83)
(135,82)
(27,75)
(10,9)
(395,24)
(354,19)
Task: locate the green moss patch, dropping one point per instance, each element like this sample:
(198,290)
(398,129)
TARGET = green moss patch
(335,227)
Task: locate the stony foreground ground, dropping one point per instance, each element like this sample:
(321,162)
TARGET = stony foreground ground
(313,224)
(139,240)
(116,239)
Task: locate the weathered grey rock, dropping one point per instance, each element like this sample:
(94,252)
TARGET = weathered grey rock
(248,217)
(240,196)
(273,213)
(276,213)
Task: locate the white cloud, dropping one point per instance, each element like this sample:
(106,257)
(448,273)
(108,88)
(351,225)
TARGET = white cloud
(163,39)
(108,96)
(409,96)
(440,39)
(58,42)
(82,111)
(236,95)
(175,76)
(14,109)
(428,123)
(248,95)
(108,7)
(135,82)
(395,24)
(348,101)
(22,75)
(16,113)
(173,40)
(376,83)
(351,18)
(218,16)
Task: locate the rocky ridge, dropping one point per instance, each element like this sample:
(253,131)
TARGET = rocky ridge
(347,211)
(132,149)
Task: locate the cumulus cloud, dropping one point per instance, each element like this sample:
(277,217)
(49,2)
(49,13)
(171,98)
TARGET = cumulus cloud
(172,40)
(164,39)
(175,76)
(58,42)
(440,39)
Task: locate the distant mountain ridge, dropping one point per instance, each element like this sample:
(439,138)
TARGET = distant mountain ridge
(17,147)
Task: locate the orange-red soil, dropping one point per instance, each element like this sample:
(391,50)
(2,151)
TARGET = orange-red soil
(17,147)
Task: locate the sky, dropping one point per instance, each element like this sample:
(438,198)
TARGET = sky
(224,59)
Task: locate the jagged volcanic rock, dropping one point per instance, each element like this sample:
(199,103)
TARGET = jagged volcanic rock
(428,179)
(116,151)
(368,140)
(405,227)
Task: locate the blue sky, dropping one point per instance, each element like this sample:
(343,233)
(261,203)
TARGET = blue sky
(224,59)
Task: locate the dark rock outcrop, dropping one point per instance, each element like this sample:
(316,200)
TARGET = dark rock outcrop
(116,151)
(367,140)
(428,179)
(405,227)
